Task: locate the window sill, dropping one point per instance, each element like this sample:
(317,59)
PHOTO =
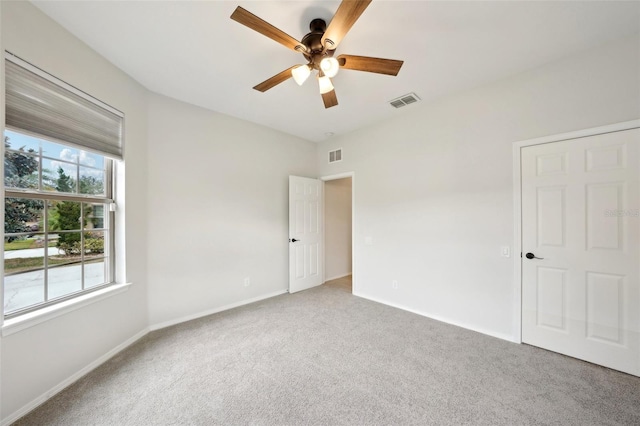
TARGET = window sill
(30,319)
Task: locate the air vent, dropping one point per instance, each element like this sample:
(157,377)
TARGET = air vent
(335,156)
(404,100)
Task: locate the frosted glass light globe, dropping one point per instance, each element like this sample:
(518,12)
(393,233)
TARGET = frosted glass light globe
(300,74)
(329,67)
(325,85)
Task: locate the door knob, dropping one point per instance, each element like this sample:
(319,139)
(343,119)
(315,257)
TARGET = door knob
(532,256)
(293,240)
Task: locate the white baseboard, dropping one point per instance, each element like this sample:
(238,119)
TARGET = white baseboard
(491,333)
(337,277)
(71,379)
(169,323)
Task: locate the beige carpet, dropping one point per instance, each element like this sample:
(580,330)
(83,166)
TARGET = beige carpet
(325,357)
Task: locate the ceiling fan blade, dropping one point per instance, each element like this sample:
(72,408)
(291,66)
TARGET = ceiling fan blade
(368,64)
(330,99)
(275,80)
(250,20)
(347,14)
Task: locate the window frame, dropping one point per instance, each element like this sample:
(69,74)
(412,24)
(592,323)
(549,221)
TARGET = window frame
(107,199)
(114,271)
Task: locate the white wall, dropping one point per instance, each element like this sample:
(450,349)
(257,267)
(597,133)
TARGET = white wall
(434,184)
(337,228)
(218,197)
(35,360)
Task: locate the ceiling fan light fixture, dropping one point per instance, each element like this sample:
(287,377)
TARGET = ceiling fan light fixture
(325,84)
(318,48)
(300,74)
(329,67)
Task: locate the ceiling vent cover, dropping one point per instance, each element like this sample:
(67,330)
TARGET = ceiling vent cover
(404,100)
(335,156)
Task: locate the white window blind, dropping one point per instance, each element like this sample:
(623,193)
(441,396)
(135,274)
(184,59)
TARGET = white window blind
(41,104)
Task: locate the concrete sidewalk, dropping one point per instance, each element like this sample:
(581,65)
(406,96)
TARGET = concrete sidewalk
(36,252)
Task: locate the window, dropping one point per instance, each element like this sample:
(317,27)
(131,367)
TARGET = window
(59,151)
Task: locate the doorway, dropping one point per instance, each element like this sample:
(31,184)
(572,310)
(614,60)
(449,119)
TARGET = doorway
(339,231)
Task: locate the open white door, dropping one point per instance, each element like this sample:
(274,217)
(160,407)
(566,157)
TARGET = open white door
(581,248)
(306,253)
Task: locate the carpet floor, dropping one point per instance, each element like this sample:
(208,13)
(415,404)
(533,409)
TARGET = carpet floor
(325,357)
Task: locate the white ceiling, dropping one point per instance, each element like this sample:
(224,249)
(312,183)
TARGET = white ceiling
(192,51)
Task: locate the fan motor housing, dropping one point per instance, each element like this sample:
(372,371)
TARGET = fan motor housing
(313,42)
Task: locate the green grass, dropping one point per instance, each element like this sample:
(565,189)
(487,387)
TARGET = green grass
(19,245)
(29,263)
(25,244)
(25,264)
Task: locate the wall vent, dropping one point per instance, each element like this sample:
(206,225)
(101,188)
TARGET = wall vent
(404,100)
(335,156)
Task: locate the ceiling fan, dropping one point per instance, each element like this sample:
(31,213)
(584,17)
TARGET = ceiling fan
(318,48)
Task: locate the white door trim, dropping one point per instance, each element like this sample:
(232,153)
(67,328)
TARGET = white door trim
(352,175)
(517,204)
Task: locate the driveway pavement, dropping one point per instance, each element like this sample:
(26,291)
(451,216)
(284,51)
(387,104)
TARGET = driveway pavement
(21,290)
(27,288)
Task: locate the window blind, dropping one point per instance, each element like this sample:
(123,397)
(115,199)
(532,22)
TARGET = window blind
(51,108)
